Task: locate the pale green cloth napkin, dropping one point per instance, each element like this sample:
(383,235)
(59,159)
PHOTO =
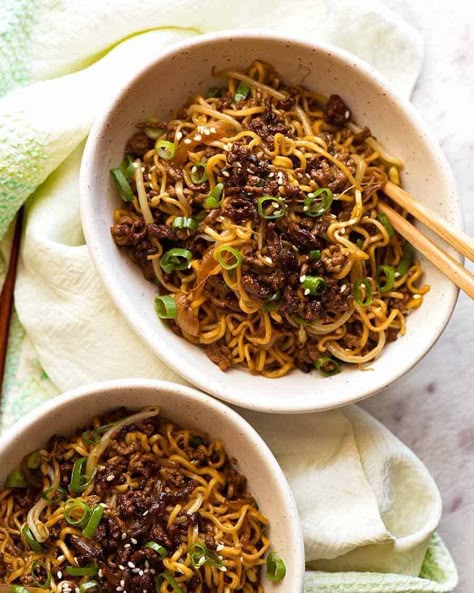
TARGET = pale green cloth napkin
(367,504)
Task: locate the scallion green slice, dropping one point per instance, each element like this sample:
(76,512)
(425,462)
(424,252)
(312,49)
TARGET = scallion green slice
(201,555)
(214,199)
(90,587)
(228,257)
(54,494)
(40,574)
(16,479)
(175,259)
(199,173)
(383,218)
(318,202)
(93,521)
(389,273)
(271,207)
(30,539)
(242,91)
(276,569)
(327,366)
(363,283)
(165,149)
(314,285)
(315,255)
(186,223)
(122,184)
(82,571)
(406,260)
(77,512)
(160,550)
(165,307)
(165,576)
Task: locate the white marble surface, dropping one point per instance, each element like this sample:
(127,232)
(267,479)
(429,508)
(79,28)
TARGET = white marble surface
(432,408)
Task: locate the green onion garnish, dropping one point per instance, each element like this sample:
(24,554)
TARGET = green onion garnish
(241,92)
(271,207)
(92,437)
(165,576)
(327,366)
(198,173)
(154,133)
(389,273)
(82,571)
(54,494)
(16,479)
(77,512)
(34,460)
(165,149)
(383,218)
(79,481)
(185,222)
(272,303)
(18,589)
(93,522)
(122,185)
(90,587)
(200,554)
(39,570)
(160,550)
(315,255)
(214,199)
(359,299)
(314,285)
(165,307)
(195,440)
(318,202)
(212,92)
(127,167)
(30,539)
(276,569)
(175,259)
(228,262)
(407,259)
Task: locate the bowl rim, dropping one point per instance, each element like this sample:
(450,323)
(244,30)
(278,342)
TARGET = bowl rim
(168,356)
(8,440)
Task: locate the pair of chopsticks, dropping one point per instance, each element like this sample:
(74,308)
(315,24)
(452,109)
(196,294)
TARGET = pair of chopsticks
(437,256)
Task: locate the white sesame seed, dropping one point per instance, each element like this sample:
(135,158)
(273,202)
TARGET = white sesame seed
(280,181)
(100,574)
(110,477)
(277,212)
(147,564)
(133,540)
(136,570)
(119,588)
(417,296)
(152,571)
(122,583)
(347,114)
(397,274)
(222,568)
(130,564)
(60,558)
(268,259)
(343,287)
(179,135)
(213,130)
(122,567)
(226,173)
(146,512)
(272,174)
(302,278)
(305,208)
(260,154)
(306,291)
(342,231)
(140,572)
(207,131)
(187,141)
(59,574)
(124,536)
(126,545)
(219,547)
(198,137)
(77,589)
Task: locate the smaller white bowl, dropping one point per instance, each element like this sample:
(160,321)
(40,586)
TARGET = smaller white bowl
(189,408)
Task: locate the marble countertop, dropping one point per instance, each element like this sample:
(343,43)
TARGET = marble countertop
(432,408)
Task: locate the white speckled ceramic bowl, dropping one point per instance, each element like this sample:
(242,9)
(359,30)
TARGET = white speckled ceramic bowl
(186,69)
(189,408)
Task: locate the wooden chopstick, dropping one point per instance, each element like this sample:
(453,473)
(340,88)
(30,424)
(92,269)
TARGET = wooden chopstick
(6,297)
(444,262)
(455,237)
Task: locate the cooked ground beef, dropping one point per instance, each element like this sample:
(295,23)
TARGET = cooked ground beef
(337,113)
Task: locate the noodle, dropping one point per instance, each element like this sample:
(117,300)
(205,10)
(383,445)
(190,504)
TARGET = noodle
(261,228)
(175,515)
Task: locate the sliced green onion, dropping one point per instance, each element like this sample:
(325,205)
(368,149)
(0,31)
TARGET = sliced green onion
(93,521)
(195,440)
(200,554)
(16,479)
(89,587)
(165,149)
(30,539)
(360,242)
(79,481)
(266,202)
(314,285)
(301,320)
(383,218)
(92,437)
(18,589)
(34,460)
(242,91)
(54,494)
(407,259)
(315,254)
(154,133)
(185,222)
(77,512)
(82,571)
(363,301)
(389,273)
(318,202)
(165,576)
(235,257)
(272,303)
(160,550)
(213,92)
(214,199)
(276,569)
(198,177)
(127,167)
(122,184)
(327,366)
(165,307)
(39,566)
(175,259)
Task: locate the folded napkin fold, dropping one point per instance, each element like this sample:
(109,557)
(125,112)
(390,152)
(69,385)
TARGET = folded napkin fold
(367,504)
